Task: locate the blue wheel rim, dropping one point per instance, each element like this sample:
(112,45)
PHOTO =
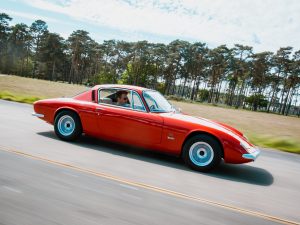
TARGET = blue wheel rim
(66,125)
(201,154)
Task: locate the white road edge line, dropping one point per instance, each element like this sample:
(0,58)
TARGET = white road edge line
(129,187)
(12,189)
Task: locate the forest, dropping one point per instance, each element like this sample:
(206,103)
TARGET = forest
(233,77)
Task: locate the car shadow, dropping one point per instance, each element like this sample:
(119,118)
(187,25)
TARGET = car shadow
(244,173)
(239,173)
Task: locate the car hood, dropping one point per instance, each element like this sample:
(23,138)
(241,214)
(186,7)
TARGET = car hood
(169,117)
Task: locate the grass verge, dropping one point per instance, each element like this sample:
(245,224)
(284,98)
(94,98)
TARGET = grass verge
(283,144)
(6,95)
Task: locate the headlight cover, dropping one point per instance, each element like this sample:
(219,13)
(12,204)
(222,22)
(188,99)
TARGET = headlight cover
(247,147)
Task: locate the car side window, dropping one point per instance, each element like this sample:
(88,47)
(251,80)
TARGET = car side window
(137,103)
(106,96)
(115,97)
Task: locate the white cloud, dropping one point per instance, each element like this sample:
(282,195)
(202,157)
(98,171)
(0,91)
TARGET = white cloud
(29,15)
(266,25)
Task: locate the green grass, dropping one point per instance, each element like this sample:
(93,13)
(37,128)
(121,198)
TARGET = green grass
(5,95)
(283,144)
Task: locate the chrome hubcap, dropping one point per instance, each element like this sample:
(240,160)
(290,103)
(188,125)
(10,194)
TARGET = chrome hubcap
(66,125)
(201,153)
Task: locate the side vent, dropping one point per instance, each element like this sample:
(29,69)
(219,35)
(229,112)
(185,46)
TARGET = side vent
(93,95)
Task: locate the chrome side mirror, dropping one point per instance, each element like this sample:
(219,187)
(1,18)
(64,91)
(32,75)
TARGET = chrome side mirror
(176,109)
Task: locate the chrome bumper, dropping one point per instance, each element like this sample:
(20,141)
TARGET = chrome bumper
(38,115)
(253,155)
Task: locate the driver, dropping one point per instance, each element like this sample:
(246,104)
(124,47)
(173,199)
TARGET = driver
(122,99)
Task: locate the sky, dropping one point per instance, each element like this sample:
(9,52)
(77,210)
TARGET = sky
(266,25)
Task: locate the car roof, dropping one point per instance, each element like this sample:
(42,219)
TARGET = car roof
(132,87)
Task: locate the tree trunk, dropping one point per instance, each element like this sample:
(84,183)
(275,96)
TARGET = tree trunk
(238,102)
(272,99)
(193,90)
(197,88)
(183,89)
(282,96)
(211,93)
(232,94)
(22,66)
(218,93)
(53,71)
(289,106)
(289,102)
(285,101)
(27,59)
(174,86)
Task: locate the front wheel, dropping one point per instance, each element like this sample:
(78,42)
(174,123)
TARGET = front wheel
(67,126)
(202,153)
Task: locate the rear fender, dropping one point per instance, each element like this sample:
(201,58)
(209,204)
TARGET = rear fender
(62,109)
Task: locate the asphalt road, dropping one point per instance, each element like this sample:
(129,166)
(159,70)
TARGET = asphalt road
(106,183)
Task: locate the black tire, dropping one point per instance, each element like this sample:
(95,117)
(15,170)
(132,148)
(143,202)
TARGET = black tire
(202,152)
(67,118)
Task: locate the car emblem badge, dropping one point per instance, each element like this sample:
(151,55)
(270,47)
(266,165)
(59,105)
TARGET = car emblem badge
(171,137)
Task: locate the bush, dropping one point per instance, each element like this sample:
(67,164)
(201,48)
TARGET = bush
(175,98)
(203,95)
(257,101)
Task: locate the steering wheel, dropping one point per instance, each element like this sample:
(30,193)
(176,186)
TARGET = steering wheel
(152,108)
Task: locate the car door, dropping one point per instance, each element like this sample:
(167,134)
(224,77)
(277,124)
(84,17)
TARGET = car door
(132,125)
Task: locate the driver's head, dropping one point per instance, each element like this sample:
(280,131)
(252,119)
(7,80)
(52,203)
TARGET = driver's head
(122,97)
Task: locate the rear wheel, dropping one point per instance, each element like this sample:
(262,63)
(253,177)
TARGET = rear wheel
(202,152)
(67,126)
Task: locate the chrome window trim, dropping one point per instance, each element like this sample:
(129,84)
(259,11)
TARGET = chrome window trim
(140,101)
(121,107)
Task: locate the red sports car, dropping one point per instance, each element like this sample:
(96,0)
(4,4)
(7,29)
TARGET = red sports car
(143,117)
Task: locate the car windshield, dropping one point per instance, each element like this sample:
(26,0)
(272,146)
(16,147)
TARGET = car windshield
(156,102)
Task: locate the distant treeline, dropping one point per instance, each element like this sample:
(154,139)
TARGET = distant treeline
(237,76)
